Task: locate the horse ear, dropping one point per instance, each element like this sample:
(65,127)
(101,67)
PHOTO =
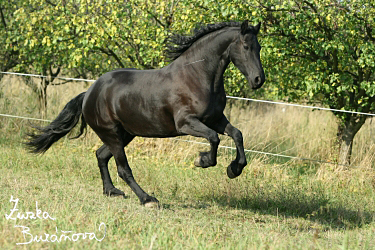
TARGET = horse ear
(257,28)
(244,27)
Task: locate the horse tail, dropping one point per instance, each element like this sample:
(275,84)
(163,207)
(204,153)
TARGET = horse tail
(68,118)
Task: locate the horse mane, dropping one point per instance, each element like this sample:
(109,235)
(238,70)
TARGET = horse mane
(178,44)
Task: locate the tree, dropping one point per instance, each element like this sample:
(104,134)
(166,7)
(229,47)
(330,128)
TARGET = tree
(323,51)
(9,54)
(33,39)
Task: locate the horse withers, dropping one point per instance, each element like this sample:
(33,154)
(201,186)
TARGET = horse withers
(186,97)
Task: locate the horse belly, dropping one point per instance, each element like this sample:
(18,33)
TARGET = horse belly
(147,122)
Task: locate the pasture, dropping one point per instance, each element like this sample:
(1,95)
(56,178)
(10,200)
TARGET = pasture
(275,204)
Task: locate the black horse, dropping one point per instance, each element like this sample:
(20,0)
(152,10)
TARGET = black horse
(186,97)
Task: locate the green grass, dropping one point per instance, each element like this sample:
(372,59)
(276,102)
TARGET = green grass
(289,206)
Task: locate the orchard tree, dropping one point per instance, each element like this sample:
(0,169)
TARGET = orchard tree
(9,53)
(38,45)
(323,51)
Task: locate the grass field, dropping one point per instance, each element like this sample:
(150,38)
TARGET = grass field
(274,204)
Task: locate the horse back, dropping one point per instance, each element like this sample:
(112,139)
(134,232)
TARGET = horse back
(149,102)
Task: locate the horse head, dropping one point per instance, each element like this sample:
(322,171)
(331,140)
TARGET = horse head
(245,54)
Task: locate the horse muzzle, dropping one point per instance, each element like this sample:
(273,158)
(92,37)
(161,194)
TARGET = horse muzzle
(257,81)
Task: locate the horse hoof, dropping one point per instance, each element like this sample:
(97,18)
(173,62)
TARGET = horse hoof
(197,162)
(114,192)
(152,204)
(232,174)
(204,161)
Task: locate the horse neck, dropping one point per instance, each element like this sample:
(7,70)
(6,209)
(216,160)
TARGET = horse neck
(209,56)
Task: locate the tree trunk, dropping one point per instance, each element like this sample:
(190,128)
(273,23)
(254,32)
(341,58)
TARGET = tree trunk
(40,89)
(345,142)
(42,97)
(345,136)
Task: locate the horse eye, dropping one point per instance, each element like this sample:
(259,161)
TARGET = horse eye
(246,47)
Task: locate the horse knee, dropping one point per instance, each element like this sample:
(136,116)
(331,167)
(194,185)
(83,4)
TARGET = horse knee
(214,139)
(98,157)
(237,135)
(103,155)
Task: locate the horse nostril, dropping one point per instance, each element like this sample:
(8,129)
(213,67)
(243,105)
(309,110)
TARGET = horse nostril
(257,80)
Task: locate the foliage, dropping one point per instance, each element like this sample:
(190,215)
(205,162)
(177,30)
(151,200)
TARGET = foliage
(8,39)
(319,50)
(93,37)
(323,50)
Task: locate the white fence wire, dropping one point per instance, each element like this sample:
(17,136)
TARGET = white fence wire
(230,97)
(203,143)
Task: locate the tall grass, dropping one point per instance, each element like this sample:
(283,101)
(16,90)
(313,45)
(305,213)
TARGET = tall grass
(299,132)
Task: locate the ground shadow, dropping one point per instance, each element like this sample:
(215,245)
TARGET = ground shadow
(315,208)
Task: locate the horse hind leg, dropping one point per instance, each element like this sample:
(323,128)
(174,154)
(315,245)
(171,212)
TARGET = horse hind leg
(116,140)
(103,155)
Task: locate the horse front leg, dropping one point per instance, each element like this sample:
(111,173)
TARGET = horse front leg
(193,126)
(237,165)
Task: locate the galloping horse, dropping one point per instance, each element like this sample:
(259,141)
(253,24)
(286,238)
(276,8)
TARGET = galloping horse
(186,97)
